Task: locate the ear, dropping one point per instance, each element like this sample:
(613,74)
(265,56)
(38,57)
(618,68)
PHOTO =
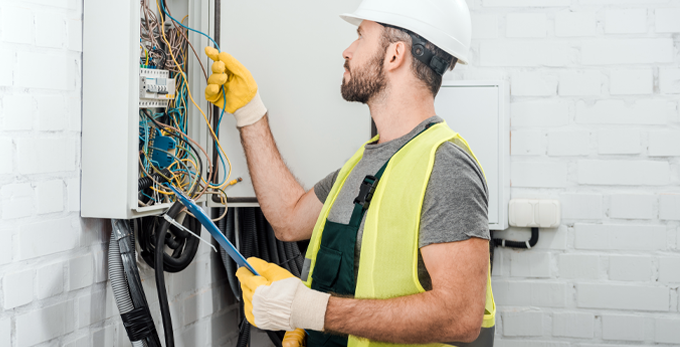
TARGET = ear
(395,56)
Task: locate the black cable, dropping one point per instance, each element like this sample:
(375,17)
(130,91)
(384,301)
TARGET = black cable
(160,279)
(518,244)
(226,226)
(243,334)
(146,182)
(261,234)
(492,248)
(271,244)
(284,263)
(290,259)
(143,323)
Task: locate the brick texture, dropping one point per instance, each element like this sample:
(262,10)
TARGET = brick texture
(594,122)
(54,289)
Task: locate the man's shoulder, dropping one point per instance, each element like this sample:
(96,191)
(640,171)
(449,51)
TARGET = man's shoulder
(455,165)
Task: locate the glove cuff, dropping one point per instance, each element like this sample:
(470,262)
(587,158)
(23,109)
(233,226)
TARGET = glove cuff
(251,112)
(308,310)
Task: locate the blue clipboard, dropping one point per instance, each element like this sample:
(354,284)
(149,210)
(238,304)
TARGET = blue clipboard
(214,231)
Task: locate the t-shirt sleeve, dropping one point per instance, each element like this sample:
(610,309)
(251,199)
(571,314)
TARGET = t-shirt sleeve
(323,187)
(455,207)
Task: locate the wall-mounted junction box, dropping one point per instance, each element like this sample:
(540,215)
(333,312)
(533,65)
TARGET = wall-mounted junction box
(527,213)
(478,111)
(110,128)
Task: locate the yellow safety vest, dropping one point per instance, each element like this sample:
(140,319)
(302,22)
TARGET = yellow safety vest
(388,265)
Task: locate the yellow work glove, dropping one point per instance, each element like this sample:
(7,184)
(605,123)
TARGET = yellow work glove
(243,100)
(277,300)
(295,338)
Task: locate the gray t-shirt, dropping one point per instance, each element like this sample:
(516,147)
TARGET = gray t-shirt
(455,207)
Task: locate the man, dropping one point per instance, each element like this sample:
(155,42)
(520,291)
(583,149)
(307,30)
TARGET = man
(399,236)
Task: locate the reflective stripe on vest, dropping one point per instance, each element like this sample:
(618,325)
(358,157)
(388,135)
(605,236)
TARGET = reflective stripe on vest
(388,266)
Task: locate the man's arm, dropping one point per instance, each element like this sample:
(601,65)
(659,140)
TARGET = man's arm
(290,210)
(452,311)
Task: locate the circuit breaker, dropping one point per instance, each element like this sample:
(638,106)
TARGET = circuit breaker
(149,73)
(156,88)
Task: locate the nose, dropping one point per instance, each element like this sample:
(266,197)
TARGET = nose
(348,52)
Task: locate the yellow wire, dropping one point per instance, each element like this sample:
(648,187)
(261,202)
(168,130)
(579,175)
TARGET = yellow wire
(146,53)
(162,192)
(194,102)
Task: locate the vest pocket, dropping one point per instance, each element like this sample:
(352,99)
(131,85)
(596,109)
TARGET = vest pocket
(327,267)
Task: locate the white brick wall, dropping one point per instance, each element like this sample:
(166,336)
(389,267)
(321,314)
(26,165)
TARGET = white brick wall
(579,266)
(526,25)
(669,80)
(569,24)
(666,20)
(625,328)
(631,81)
(571,142)
(595,120)
(632,206)
(54,289)
(522,323)
(619,141)
(580,82)
(664,143)
(630,268)
(580,325)
(581,206)
(626,21)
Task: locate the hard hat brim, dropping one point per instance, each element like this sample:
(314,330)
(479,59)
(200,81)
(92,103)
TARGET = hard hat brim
(351,19)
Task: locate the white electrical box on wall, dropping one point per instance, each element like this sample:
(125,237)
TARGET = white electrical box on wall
(110,128)
(528,213)
(478,111)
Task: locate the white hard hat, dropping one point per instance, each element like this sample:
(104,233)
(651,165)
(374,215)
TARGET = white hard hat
(445,23)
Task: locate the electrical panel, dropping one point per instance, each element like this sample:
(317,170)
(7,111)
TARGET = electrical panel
(478,111)
(141,128)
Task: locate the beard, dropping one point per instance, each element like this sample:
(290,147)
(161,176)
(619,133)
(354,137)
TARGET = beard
(365,82)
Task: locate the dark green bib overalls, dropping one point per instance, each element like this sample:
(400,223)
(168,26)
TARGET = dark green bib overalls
(334,269)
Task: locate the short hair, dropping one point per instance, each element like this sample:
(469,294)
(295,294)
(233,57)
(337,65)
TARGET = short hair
(431,79)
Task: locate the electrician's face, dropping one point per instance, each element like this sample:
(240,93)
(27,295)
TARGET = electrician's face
(364,77)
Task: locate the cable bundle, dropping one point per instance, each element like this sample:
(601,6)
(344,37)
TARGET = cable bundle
(256,238)
(165,45)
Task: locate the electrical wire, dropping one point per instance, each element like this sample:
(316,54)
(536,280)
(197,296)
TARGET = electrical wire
(186,27)
(216,139)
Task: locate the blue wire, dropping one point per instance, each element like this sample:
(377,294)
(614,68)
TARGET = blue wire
(224,166)
(219,153)
(148,196)
(186,27)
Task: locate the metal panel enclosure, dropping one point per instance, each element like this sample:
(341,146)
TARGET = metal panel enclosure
(478,110)
(110,103)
